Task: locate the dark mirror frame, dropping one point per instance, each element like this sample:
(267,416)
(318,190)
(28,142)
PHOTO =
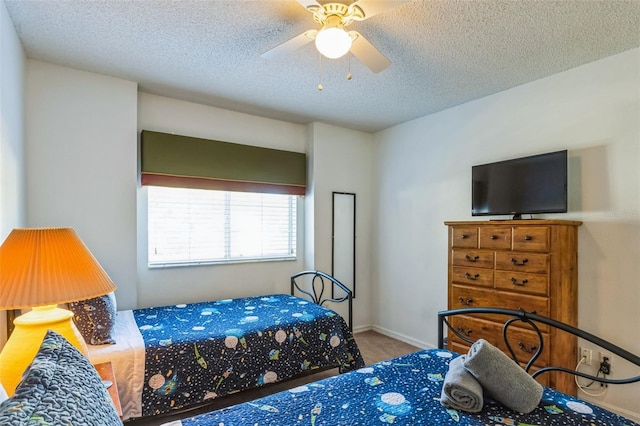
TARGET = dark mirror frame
(338,236)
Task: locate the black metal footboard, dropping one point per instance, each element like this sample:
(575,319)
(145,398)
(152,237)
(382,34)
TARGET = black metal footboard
(513,316)
(318,287)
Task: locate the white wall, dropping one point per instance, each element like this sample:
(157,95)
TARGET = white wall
(208,282)
(342,161)
(82,144)
(337,160)
(12,176)
(424,179)
(81,157)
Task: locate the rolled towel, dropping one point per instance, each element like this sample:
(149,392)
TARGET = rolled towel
(460,389)
(502,377)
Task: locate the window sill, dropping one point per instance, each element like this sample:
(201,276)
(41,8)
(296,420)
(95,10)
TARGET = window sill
(164,265)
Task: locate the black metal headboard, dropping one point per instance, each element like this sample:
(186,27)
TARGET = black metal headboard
(318,287)
(533,320)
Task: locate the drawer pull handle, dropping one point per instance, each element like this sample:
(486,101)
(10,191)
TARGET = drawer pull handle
(471,259)
(493,237)
(521,284)
(464,236)
(529,350)
(471,277)
(528,238)
(516,263)
(467,301)
(466,333)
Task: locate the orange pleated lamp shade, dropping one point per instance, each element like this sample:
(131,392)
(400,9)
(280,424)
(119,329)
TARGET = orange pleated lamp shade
(48,266)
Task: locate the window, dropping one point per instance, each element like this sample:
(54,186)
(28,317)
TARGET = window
(196,226)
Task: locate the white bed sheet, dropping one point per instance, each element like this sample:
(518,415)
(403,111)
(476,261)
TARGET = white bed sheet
(127,358)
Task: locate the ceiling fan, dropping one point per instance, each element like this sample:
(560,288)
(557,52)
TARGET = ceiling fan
(332,40)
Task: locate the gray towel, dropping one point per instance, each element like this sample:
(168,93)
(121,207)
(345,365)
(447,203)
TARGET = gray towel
(460,389)
(502,377)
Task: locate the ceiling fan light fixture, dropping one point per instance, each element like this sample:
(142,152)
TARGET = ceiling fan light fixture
(332,40)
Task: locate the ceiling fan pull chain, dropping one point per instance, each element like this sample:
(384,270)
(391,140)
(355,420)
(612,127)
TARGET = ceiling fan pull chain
(320,87)
(349,70)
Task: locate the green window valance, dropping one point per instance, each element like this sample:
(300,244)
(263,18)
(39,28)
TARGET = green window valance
(186,162)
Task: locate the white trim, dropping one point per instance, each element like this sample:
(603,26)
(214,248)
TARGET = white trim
(402,337)
(362,328)
(613,408)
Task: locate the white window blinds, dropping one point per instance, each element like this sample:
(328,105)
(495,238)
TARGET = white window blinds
(195,226)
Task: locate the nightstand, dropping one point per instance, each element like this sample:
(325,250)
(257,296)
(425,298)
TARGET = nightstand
(105,371)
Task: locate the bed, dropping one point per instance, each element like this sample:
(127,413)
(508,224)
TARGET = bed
(407,391)
(173,358)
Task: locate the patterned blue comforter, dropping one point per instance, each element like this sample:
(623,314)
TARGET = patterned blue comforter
(200,351)
(402,391)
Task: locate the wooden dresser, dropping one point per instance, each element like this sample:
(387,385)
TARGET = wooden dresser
(517,264)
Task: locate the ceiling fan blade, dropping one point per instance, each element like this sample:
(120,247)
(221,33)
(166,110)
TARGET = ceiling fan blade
(373,7)
(309,4)
(290,45)
(368,54)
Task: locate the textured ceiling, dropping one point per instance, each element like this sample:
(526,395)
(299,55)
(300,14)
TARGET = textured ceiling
(443,53)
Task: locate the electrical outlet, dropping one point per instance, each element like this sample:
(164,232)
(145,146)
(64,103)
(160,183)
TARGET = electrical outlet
(609,360)
(587,354)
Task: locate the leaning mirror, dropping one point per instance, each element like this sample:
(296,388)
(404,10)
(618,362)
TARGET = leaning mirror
(343,234)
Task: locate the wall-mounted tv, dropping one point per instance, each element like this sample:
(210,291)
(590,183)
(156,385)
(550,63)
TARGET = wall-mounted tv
(526,185)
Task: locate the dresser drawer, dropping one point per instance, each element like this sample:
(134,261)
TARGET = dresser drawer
(495,238)
(531,238)
(472,276)
(464,237)
(473,258)
(462,296)
(522,282)
(526,302)
(523,342)
(470,297)
(454,346)
(536,263)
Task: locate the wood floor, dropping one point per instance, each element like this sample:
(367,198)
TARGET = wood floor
(374,347)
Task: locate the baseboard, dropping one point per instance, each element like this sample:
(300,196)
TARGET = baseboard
(362,328)
(615,409)
(406,339)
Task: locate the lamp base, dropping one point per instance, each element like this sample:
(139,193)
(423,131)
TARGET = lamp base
(26,338)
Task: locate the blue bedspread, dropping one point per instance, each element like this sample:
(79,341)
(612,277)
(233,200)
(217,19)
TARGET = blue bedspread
(402,391)
(200,351)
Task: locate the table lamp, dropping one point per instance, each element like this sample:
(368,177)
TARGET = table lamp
(40,268)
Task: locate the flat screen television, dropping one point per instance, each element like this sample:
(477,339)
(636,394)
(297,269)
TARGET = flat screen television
(527,185)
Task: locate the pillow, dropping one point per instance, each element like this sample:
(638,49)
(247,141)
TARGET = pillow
(96,318)
(60,387)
